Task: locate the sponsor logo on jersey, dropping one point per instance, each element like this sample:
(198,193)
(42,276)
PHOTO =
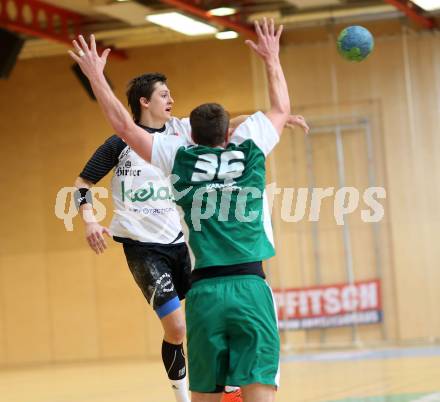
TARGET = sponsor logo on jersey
(124,153)
(126,170)
(121,171)
(145,193)
(230,186)
(151,211)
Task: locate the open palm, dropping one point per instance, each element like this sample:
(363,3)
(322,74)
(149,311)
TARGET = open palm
(268,44)
(87,57)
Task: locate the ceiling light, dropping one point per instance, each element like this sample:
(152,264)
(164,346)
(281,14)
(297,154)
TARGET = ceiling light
(428,5)
(130,12)
(222,11)
(181,23)
(226,35)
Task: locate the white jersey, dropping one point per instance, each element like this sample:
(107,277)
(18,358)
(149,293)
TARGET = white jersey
(144,209)
(142,196)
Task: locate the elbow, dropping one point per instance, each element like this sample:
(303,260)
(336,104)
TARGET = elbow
(121,129)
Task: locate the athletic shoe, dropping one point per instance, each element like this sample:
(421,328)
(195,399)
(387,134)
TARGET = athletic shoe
(234,396)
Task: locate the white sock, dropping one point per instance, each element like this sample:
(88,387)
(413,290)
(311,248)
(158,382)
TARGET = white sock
(230,388)
(180,389)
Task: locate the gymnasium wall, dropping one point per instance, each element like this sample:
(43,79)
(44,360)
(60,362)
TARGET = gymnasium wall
(398,91)
(60,302)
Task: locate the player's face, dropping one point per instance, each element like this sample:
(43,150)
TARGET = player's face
(161,102)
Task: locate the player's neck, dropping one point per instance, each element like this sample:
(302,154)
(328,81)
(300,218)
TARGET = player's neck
(151,122)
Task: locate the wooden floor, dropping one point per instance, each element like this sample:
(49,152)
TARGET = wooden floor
(393,375)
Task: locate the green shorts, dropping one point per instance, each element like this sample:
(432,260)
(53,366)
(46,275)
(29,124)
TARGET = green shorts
(232,333)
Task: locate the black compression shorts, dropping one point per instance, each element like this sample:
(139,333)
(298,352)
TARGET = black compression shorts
(162,272)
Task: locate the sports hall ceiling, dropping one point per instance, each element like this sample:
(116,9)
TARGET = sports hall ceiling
(122,24)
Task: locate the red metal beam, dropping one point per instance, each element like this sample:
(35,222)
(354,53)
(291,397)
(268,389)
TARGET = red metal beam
(35,18)
(413,13)
(246,30)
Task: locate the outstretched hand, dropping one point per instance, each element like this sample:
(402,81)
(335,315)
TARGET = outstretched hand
(95,237)
(90,62)
(298,120)
(268,44)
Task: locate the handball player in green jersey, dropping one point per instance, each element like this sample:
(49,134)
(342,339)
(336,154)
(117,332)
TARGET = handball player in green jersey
(219,182)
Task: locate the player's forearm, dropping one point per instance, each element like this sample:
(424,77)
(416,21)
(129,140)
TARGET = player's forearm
(236,121)
(83,183)
(87,215)
(114,111)
(120,119)
(278,91)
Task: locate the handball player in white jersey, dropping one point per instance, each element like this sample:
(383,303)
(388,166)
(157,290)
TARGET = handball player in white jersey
(145,221)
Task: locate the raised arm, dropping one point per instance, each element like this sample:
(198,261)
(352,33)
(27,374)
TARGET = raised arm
(268,48)
(92,65)
(294,120)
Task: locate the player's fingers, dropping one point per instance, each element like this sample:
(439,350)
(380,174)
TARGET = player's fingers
(77,47)
(74,56)
(265,27)
(101,246)
(279,31)
(98,236)
(302,123)
(98,247)
(83,43)
(251,44)
(105,54)
(90,239)
(107,232)
(271,27)
(92,244)
(258,29)
(92,43)
(99,242)
(102,241)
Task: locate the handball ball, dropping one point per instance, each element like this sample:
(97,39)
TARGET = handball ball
(355,43)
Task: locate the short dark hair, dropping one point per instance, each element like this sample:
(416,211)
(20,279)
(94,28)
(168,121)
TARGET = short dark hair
(142,86)
(209,124)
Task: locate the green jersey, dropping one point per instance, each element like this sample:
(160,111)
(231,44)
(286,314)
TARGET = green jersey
(222,192)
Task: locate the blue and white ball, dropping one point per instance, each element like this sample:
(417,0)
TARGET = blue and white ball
(355,43)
